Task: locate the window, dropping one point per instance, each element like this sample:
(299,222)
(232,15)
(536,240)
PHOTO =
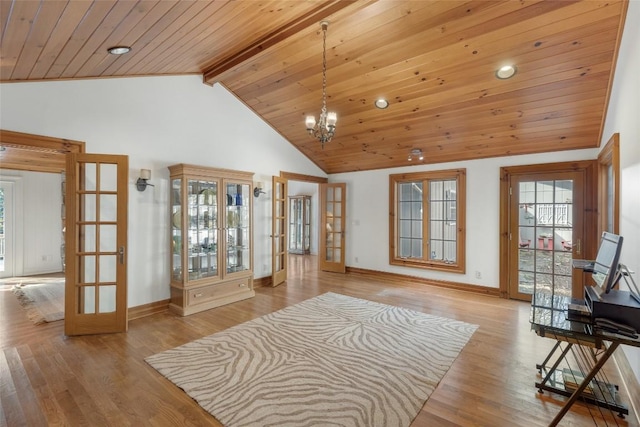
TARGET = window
(427,220)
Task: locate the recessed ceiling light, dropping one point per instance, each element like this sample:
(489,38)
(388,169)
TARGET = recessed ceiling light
(506,72)
(381,103)
(119,50)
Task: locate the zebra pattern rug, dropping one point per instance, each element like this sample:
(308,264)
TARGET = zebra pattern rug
(330,360)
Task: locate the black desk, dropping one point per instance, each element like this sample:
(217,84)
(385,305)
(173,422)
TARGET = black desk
(549,319)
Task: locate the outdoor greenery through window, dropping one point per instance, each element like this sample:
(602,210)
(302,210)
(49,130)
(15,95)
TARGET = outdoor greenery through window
(427,221)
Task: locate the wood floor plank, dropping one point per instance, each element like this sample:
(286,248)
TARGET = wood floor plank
(49,379)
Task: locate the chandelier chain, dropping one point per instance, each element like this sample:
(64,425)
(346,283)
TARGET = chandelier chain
(324,129)
(323,114)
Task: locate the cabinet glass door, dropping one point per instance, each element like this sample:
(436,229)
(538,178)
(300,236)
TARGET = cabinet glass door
(176,229)
(306,227)
(238,220)
(299,225)
(202,226)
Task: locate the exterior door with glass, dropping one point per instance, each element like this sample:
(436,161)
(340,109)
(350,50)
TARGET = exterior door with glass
(546,232)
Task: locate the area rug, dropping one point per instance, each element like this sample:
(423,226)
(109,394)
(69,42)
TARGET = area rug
(42,298)
(330,360)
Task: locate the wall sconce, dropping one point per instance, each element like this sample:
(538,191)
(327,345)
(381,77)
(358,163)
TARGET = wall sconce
(258,190)
(141,183)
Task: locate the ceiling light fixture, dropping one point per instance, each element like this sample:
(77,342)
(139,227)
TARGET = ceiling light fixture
(381,103)
(506,72)
(119,50)
(326,126)
(415,153)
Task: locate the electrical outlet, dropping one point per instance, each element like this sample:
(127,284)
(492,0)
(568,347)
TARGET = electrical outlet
(356,259)
(478,275)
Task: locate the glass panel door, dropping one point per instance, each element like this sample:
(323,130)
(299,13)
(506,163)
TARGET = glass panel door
(238,243)
(333,202)
(279,220)
(299,224)
(201,226)
(545,233)
(95,300)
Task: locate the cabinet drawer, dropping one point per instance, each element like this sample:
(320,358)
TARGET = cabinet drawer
(219,290)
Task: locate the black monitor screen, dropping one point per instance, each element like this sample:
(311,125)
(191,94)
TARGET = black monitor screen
(605,268)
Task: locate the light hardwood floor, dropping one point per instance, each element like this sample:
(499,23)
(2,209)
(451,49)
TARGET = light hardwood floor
(49,379)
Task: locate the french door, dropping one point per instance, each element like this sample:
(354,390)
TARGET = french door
(279,231)
(96,244)
(546,231)
(333,215)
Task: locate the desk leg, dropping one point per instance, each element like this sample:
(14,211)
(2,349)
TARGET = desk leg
(556,363)
(553,350)
(596,368)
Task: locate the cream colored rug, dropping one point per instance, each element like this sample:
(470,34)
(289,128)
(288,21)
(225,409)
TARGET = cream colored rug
(330,360)
(42,298)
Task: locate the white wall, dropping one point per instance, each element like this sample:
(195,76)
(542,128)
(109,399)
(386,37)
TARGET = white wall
(38,200)
(623,117)
(158,121)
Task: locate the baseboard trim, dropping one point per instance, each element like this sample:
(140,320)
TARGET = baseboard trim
(262,282)
(148,309)
(629,382)
(394,277)
(399,278)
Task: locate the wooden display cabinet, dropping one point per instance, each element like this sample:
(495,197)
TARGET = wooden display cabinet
(211,237)
(300,225)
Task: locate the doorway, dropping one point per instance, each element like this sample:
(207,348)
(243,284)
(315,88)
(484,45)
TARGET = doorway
(546,212)
(291,184)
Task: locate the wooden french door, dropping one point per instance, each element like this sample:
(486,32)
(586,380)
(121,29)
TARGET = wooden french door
(546,230)
(333,215)
(96,244)
(279,221)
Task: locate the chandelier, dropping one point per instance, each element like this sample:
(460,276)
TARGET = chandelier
(325,128)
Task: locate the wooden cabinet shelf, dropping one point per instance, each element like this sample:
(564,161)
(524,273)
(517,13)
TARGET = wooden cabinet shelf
(211,237)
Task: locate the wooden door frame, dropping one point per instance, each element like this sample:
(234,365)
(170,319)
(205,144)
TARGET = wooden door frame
(589,168)
(292,176)
(36,153)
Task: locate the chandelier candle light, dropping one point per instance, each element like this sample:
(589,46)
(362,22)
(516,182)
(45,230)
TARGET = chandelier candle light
(324,130)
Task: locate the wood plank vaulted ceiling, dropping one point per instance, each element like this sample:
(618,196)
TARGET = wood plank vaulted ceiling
(433,60)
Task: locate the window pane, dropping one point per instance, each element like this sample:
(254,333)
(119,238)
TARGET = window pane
(436,249)
(405,228)
(405,248)
(450,251)
(108,177)
(416,248)
(416,230)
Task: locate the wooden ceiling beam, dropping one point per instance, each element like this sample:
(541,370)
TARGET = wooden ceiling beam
(322,11)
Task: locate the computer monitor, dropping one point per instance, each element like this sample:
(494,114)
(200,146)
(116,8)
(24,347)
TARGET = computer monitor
(605,267)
